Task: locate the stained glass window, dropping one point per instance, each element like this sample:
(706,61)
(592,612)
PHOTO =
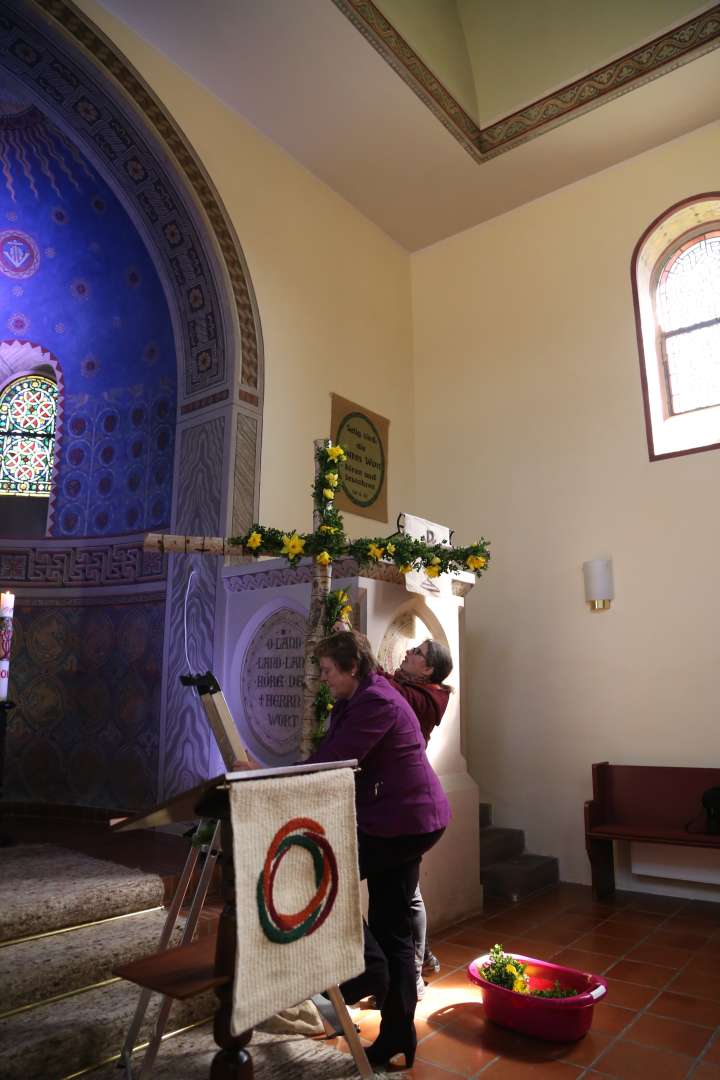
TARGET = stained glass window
(688,311)
(27,436)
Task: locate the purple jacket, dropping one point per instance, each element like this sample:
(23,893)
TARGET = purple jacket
(397,792)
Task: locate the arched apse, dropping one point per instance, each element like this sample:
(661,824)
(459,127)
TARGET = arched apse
(75,77)
(76,276)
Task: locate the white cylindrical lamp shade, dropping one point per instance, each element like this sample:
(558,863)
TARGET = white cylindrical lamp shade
(599,589)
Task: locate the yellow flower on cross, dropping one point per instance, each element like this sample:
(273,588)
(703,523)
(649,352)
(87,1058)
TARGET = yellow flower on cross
(329,494)
(375,552)
(293,546)
(476,562)
(335,453)
(324,558)
(405,568)
(432,571)
(332,479)
(390,549)
(346,612)
(253,541)
(328,529)
(342,596)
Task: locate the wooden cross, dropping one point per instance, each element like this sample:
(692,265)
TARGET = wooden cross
(324,544)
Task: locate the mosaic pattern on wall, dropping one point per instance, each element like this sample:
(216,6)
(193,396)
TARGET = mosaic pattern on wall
(189,753)
(87,680)
(66,85)
(117,463)
(76,276)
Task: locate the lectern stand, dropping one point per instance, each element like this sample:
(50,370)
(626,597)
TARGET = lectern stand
(206,964)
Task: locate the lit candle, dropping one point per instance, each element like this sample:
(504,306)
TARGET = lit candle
(7,605)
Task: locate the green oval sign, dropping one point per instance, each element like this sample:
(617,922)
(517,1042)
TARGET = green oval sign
(364,470)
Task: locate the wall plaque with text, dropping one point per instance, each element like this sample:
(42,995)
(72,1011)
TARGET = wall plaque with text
(272,686)
(364,435)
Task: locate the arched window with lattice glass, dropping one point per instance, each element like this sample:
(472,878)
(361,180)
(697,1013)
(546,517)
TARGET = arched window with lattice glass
(676,286)
(688,310)
(28,408)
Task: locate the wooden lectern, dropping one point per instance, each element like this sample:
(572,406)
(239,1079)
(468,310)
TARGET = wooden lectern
(209,963)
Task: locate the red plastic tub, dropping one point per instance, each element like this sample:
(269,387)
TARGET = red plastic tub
(554,1019)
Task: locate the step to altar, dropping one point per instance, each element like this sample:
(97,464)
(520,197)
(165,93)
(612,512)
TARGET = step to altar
(507,870)
(58,1039)
(74,959)
(44,888)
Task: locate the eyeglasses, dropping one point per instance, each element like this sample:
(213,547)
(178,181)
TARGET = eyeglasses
(417,651)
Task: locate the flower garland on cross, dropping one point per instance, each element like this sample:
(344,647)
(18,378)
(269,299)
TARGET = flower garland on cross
(324,544)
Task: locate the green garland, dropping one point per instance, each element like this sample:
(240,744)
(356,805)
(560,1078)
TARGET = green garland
(329,541)
(337,609)
(322,708)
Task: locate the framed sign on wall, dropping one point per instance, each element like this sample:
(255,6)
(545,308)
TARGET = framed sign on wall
(364,436)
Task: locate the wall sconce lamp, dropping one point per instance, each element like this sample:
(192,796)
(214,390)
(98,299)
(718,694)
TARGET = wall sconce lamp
(599,591)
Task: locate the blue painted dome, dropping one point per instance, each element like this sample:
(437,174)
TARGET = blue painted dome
(77,279)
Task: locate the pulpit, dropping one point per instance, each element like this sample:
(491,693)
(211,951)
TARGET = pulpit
(259,660)
(291,968)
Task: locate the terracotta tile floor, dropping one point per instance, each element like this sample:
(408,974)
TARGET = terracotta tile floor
(659,1021)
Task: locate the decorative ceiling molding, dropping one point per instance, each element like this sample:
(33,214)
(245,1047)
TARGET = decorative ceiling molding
(663,54)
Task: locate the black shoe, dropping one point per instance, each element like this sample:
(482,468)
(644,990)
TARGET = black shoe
(384,1048)
(430,964)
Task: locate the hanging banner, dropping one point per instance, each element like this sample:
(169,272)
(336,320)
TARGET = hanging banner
(364,435)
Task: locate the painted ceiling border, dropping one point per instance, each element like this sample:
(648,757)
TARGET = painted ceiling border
(662,54)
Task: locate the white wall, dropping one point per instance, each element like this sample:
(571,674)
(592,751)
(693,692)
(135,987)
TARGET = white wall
(530,430)
(333,292)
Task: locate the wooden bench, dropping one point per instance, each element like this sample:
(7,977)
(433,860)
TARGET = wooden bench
(656,804)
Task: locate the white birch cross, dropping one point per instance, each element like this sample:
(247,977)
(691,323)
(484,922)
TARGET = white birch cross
(325,543)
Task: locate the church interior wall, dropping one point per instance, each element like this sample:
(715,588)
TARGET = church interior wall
(332,290)
(506,361)
(527,373)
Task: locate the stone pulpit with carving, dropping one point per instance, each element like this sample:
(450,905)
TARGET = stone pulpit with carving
(259,661)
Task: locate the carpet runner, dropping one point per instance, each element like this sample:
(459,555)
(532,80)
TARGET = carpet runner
(63,1013)
(43,887)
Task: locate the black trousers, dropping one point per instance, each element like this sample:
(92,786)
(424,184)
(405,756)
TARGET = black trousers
(391,866)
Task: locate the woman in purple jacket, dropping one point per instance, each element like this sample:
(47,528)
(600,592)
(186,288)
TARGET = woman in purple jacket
(401,812)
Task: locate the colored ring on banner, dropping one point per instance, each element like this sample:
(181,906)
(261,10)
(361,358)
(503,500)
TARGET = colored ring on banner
(284,928)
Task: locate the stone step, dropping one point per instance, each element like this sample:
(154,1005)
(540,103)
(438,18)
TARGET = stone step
(56,1040)
(515,878)
(486,814)
(39,969)
(44,888)
(498,843)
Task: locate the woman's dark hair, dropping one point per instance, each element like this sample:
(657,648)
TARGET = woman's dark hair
(439,659)
(347,648)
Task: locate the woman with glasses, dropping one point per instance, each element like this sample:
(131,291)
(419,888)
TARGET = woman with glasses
(421,681)
(402,811)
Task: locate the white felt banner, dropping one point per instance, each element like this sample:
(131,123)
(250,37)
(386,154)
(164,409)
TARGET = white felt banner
(297,890)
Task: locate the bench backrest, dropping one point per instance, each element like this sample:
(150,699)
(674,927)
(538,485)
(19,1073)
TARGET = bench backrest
(662,795)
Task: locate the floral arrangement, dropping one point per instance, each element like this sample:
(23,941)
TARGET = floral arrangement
(509,972)
(329,542)
(337,609)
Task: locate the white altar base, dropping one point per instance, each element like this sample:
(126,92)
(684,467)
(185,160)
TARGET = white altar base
(262,611)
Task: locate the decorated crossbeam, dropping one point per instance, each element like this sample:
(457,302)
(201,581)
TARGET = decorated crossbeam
(326,543)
